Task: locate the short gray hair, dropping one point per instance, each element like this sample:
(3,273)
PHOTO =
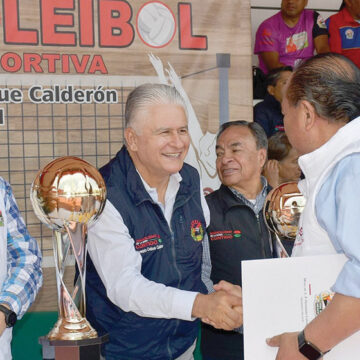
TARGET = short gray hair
(330,83)
(256,130)
(146,95)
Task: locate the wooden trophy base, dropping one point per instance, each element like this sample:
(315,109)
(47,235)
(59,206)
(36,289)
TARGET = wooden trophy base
(88,349)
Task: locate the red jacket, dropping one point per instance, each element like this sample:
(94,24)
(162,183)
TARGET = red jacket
(344,35)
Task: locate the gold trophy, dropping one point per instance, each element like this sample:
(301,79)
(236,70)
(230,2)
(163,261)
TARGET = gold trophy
(282,209)
(67,195)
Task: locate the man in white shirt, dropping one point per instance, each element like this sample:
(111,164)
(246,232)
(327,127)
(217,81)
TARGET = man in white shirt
(144,274)
(321,110)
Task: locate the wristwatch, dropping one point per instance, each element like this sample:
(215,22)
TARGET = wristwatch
(10,316)
(309,350)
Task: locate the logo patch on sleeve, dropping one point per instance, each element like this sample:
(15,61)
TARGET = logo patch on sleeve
(321,22)
(149,243)
(266,37)
(197,231)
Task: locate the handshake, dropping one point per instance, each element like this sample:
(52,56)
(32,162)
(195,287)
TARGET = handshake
(222,309)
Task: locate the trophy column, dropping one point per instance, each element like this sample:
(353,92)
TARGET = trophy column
(67,195)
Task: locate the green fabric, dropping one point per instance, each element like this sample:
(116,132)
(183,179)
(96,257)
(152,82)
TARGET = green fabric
(25,344)
(197,352)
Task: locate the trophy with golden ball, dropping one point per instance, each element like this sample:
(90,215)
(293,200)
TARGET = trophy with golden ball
(68,195)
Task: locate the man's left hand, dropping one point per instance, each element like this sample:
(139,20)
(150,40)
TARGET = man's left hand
(288,346)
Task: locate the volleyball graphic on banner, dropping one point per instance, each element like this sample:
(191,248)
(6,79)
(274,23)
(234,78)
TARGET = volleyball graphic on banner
(156,24)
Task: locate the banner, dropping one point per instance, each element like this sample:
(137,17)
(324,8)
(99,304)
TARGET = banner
(67,66)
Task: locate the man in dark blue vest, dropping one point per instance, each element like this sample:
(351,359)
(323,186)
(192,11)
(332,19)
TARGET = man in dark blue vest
(144,274)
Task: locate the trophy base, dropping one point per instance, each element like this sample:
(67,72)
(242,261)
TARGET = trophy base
(86,349)
(72,330)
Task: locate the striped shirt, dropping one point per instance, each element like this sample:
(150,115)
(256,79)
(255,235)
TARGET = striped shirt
(23,258)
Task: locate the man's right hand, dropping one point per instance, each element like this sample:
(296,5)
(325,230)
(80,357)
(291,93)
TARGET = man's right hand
(219,309)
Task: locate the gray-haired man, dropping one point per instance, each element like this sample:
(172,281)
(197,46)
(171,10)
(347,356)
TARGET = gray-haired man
(144,283)
(237,230)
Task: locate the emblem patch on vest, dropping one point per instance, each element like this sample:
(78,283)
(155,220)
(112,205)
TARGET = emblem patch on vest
(149,243)
(197,231)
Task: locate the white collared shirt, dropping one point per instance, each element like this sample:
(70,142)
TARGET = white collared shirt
(119,265)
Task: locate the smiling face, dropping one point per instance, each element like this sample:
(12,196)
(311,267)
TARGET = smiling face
(238,162)
(158,141)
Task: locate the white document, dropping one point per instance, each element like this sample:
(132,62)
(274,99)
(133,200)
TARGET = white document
(283,295)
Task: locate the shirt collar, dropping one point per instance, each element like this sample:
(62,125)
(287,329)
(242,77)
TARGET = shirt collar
(173,184)
(348,17)
(314,164)
(260,198)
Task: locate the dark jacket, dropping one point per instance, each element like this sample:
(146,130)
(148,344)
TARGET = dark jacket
(171,257)
(235,233)
(268,114)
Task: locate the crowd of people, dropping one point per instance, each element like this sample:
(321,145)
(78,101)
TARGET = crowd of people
(295,34)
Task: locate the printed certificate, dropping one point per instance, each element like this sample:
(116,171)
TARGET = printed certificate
(283,295)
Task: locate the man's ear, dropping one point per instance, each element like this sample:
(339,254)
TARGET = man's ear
(262,157)
(131,139)
(271,90)
(309,114)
